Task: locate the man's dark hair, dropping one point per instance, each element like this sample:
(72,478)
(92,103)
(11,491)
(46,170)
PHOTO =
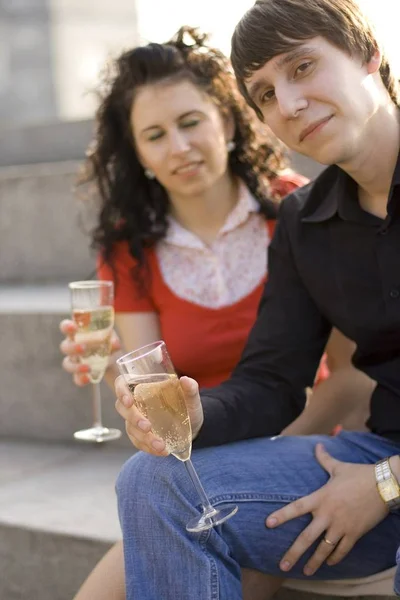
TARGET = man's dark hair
(273,27)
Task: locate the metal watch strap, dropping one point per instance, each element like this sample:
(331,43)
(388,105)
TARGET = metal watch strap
(384,477)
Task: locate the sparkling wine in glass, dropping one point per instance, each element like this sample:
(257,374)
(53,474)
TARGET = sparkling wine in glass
(158,395)
(93,314)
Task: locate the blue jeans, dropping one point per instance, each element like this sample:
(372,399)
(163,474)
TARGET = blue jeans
(397,576)
(156,499)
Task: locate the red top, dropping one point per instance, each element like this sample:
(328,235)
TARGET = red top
(204,343)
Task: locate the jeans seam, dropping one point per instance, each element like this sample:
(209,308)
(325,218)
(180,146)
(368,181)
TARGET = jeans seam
(251,497)
(214,581)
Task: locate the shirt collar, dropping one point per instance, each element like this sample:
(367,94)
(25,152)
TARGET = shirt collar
(396,174)
(335,192)
(395,183)
(322,202)
(247,204)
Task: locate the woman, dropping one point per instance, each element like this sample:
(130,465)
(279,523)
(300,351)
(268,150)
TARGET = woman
(188,185)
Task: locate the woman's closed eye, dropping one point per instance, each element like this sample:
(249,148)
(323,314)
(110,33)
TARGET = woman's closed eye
(156,135)
(189,123)
(185,124)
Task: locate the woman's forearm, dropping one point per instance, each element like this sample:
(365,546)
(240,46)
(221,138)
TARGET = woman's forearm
(343,398)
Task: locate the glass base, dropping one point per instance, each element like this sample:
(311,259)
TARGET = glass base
(97,434)
(208,520)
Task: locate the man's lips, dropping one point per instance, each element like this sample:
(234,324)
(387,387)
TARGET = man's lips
(313,127)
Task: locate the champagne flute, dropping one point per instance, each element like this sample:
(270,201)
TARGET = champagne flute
(158,395)
(93,314)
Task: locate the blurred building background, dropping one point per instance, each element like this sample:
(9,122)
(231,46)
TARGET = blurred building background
(57,505)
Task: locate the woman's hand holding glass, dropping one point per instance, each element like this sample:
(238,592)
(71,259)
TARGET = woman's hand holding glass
(93,316)
(138,428)
(73,350)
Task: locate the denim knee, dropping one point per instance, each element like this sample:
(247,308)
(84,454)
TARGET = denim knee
(133,472)
(151,479)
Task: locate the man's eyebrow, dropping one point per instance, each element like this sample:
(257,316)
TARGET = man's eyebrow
(254,88)
(293,55)
(286,59)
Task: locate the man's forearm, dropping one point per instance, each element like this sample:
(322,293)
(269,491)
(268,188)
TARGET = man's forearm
(242,409)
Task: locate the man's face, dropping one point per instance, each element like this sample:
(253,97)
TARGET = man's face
(317,99)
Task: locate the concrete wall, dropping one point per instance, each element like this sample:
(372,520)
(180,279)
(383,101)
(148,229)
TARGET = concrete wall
(26,80)
(40,238)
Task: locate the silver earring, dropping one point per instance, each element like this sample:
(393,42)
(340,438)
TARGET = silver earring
(149,174)
(230,146)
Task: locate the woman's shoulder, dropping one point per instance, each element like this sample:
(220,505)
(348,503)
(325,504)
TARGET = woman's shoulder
(132,293)
(288,181)
(121,262)
(121,253)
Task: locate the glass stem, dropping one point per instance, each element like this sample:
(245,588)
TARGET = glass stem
(208,508)
(97,422)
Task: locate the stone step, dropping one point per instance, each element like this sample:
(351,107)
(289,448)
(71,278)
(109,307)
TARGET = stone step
(286,594)
(58,516)
(38,400)
(45,142)
(35,299)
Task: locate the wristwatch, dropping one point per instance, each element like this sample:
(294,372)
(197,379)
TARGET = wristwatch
(387,484)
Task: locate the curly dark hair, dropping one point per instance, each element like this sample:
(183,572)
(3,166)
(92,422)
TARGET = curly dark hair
(132,207)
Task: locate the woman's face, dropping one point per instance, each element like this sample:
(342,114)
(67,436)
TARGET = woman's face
(181,136)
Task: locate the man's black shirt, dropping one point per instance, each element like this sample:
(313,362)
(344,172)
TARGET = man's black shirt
(330,264)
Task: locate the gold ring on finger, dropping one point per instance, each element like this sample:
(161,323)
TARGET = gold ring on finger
(329,542)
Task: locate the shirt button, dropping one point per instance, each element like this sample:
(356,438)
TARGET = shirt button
(394,293)
(383,231)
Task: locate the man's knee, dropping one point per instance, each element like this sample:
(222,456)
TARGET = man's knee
(134,473)
(142,472)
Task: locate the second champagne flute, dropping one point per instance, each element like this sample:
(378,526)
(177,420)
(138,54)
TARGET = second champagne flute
(93,314)
(158,395)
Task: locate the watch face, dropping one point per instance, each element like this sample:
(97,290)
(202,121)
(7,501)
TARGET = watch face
(388,490)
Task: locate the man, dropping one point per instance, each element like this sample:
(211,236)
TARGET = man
(308,506)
